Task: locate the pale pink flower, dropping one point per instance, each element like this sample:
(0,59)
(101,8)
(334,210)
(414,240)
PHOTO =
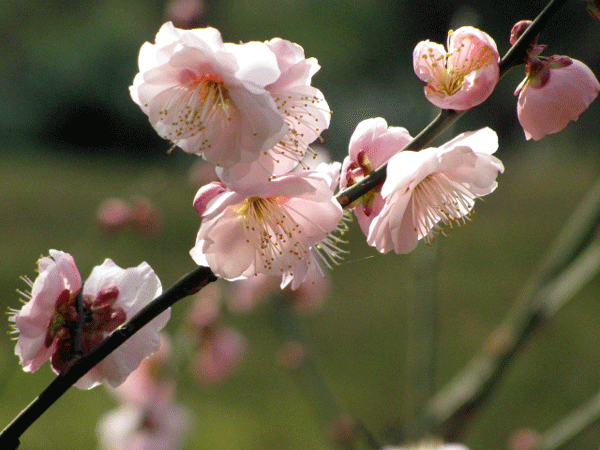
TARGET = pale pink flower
(270,229)
(372,144)
(131,427)
(462,77)
(431,186)
(208,97)
(557,90)
(305,111)
(222,350)
(113,215)
(48,323)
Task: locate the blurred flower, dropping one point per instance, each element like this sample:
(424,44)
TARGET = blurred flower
(149,383)
(113,215)
(428,445)
(246,294)
(556,90)
(431,186)
(208,97)
(186,14)
(146,216)
(462,77)
(305,111)
(524,439)
(221,351)
(50,321)
(269,229)
(158,427)
(344,431)
(372,144)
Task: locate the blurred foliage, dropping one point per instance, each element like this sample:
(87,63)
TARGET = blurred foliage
(67,122)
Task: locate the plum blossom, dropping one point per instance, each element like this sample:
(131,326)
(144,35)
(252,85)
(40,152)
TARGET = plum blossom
(372,144)
(51,321)
(557,89)
(208,97)
(304,109)
(131,427)
(222,350)
(272,228)
(462,77)
(431,186)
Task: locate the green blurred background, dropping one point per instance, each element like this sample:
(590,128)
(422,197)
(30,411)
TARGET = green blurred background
(70,137)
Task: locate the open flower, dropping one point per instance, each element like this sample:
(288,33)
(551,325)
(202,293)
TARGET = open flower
(208,97)
(462,77)
(268,229)
(63,319)
(556,90)
(431,186)
(372,144)
(304,109)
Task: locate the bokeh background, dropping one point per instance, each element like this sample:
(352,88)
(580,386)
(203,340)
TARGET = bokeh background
(70,137)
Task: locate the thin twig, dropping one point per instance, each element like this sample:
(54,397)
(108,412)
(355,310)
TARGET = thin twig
(456,404)
(572,425)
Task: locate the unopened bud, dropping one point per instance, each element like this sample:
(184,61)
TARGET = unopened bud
(518,29)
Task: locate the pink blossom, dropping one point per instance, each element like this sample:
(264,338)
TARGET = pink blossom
(557,90)
(113,215)
(431,186)
(270,228)
(208,97)
(131,427)
(222,349)
(305,111)
(48,323)
(462,77)
(372,144)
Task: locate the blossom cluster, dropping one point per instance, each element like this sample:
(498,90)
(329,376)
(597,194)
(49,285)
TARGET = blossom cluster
(250,110)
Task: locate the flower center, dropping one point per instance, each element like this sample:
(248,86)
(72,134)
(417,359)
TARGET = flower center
(196,107)
(271,229)
(88,323)
(450,70)
(439,199)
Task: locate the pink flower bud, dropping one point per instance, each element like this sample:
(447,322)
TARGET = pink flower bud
(557,90)
(205,194)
